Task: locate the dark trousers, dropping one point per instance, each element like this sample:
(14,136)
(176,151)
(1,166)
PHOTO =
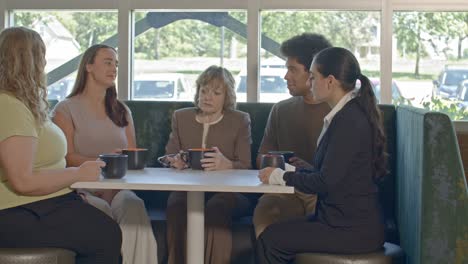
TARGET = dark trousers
(63,222)
(280,242)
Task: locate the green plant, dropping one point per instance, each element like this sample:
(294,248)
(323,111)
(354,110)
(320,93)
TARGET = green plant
(452,108)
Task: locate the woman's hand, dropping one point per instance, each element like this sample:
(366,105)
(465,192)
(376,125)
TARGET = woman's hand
(215,161)
(90,170)
(83,196)
(300,163)
(176,162)
(264,174)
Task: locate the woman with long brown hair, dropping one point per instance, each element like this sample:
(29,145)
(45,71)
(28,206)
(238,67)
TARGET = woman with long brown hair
(94,122)
(349,161)
(37,207)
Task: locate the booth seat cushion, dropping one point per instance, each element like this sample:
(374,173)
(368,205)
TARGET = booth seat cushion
(390,254)
(36,256)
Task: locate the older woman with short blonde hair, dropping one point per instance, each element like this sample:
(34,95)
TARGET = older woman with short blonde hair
(213,123)
(223,77)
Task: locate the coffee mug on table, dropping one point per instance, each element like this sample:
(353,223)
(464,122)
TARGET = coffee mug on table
(136,158)
(116,165)
(286,154)
(195,155)
(272,160)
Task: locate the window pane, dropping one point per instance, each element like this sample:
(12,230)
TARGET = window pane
(431,61)
(172,48)
(358,31)
(66,34)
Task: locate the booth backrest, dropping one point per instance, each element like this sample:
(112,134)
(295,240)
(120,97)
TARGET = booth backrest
(432,196)
(153,124)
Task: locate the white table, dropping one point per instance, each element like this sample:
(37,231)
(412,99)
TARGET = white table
(196,183)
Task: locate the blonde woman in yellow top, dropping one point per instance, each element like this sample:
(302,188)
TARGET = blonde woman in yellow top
(37,207)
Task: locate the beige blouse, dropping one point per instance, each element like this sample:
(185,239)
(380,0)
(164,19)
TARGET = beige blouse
(93,136)
(231,135)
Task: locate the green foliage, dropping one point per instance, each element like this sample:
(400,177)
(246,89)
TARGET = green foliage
(465,54)
(413,29)
(25,19)
(185,38)
(189,38)
(88,28)
(103,25)
(451,108)
(345,29)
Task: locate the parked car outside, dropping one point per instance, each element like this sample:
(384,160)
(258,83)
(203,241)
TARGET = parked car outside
(396,92)
(463,93)
(273,86)
(161,87)
(447,84)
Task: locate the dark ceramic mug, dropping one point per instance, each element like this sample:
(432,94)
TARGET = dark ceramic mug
(194,157)
(286,154)
(116,165)
(272,160)
(136,158)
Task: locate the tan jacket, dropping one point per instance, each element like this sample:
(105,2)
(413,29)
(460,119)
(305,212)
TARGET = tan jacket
(231,135)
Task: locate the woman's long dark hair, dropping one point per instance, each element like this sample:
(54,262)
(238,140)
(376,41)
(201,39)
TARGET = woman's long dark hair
(342,64)
(115,109)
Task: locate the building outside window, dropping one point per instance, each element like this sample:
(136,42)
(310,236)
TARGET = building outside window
(66,34)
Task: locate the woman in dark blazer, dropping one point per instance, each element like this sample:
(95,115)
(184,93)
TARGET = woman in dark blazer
(350,158)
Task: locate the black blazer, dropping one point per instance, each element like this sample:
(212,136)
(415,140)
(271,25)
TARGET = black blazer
(343,173)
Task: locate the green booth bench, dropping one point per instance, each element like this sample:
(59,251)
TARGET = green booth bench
(424,197)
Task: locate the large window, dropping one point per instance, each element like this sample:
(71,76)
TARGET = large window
(431,62)
(358,31)
(174,41)
(67,34)
(172,48)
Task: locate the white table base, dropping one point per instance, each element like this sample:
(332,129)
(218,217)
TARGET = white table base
(195,227)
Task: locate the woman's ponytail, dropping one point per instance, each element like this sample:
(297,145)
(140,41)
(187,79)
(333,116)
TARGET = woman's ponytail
(368,101)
